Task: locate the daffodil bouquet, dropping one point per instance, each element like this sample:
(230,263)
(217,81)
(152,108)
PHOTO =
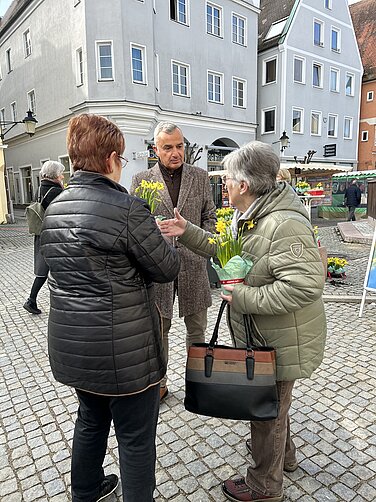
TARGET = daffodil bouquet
(302,186)
(233,267)
(149,191)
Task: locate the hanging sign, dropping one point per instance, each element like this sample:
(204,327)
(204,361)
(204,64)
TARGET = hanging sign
(370,278)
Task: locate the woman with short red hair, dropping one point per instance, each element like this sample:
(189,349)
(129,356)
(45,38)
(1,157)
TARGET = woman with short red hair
(104,251)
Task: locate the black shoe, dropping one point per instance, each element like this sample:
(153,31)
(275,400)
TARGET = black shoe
(108,486)
(31,306)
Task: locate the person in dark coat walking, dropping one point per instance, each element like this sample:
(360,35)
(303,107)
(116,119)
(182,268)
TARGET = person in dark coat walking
(352,199)
(105,251)
(52,176)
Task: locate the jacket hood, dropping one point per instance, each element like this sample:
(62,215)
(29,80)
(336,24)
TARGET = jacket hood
(281,198)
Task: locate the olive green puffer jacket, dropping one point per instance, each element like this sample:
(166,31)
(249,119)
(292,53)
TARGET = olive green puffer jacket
(283,290)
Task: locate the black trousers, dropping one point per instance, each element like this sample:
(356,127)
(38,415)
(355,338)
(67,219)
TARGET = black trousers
(135,422)
(351,216)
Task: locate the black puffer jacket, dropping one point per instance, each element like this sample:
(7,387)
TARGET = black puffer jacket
(104,251)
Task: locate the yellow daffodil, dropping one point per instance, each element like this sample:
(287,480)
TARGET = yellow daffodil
(149,191)
(220,226)
(211,240)
(250,224)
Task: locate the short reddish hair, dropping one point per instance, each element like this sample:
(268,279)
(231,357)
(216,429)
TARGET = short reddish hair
(90,141)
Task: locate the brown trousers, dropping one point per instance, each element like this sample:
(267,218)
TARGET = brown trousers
(272,446)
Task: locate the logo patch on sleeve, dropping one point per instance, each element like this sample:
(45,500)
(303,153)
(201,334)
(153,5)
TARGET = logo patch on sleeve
(297,249)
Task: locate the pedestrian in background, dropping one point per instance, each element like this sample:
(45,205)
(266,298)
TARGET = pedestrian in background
(52,178)
(352,199)
(105,252)
(188,189)
(284,175)
(282,294)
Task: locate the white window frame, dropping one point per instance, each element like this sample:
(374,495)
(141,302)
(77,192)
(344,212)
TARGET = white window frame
(8,57)
(319,122)
(31,101)
(221,81)
(263,112)
(328,4)
(236,35)
(338,31)
(141,48)
(352,91)
(364,136)
(235,102)
(1,74)
(303,61)
(351,120)
(180,64)
(264,67)
(337,72)
(79,67)
(186,12)
(220,10)
(335,116)
(321,41)
(13,111)
(98,44)
(321,75)
(26,37)
(301,111)
(370,95)
(2,115)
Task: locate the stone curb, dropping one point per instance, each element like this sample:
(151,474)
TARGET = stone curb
(346,299)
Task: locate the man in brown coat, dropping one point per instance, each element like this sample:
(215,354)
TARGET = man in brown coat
(188,189)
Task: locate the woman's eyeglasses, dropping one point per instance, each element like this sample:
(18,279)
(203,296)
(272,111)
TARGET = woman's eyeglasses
(225,178)
(123,161)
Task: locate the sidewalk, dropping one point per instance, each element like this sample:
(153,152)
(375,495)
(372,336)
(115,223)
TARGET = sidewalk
(333,414)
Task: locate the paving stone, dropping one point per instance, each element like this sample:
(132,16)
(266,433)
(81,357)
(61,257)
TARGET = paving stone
(332,416)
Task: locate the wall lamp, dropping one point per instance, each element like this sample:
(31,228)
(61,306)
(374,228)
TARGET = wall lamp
(284,141)
(29,121)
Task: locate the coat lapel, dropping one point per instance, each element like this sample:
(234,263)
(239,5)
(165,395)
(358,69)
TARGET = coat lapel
(166,201)
(185,186)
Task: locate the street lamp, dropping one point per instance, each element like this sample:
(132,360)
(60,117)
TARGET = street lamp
(30,123)
(284,141)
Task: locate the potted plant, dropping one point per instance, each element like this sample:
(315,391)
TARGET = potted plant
(336,267)
(317,190)
(301,187)
(231,266)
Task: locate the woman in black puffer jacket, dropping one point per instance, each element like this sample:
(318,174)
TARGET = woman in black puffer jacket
(104,251)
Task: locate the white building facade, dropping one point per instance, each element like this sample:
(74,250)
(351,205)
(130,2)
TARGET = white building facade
(310,75)
(137,62)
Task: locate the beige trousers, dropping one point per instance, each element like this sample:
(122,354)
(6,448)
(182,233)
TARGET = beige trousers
(196,327)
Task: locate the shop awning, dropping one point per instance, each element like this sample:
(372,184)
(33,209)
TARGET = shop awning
(317,166)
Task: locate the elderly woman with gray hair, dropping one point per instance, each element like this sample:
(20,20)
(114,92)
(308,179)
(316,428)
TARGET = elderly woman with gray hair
(51,186)
(282,294)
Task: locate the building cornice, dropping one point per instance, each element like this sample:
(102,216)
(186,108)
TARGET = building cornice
(136,118)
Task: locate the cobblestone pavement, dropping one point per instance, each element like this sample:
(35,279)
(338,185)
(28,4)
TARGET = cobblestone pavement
(333,414)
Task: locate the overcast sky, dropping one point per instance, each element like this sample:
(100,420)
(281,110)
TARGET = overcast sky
(4,4)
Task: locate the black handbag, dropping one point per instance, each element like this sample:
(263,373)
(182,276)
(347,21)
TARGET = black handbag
(227,382)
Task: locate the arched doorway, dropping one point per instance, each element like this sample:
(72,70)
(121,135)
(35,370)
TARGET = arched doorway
(216,152)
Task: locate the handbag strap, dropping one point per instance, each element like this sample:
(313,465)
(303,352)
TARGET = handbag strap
(248,331)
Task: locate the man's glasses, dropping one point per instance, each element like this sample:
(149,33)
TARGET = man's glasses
(123,161)
(225,178)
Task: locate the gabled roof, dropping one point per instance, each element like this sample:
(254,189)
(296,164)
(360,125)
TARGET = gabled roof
(364,20)
(272,12)
(13,11)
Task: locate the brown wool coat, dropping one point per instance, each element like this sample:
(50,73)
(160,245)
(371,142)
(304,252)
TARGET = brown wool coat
(196,205)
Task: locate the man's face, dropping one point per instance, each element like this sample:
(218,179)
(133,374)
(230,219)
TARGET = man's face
(170,149)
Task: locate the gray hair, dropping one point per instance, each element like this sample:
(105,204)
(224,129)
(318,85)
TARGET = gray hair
(167,127)
(256,164)
(51,170)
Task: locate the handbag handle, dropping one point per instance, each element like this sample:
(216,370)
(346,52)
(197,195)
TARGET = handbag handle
(248,331)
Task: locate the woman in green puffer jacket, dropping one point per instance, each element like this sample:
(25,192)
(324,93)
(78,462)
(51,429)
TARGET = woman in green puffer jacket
(282,293)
